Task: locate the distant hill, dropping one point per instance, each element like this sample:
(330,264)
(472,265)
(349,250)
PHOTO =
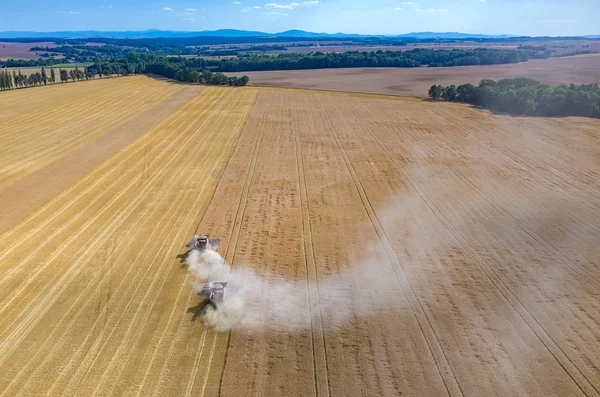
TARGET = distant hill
(234,33)
(154,33)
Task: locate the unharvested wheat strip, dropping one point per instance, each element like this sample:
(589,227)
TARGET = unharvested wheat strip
(88,225)
(53,102)
(34,131)
(20,167)
(48,181)
(54,99)
(45,153)
(96,177)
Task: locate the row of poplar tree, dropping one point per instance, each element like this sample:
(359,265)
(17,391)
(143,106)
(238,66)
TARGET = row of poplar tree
(16,79)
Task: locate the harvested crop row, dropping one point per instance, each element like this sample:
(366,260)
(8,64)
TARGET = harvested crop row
(350,180)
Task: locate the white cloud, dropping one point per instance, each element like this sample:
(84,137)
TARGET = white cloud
(191,9)
(187,19)
(294,4)
(70,12)
(442,9)
(182,14)
(237,2)
(167,9)
(310,3)
(256,7)
(431,10)
(397,9)
(109,6)
(280,6)
(410,3)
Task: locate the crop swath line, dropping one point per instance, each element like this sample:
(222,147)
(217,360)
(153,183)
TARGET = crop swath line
(170,350)
(551,346)
(446,374)
(309,256)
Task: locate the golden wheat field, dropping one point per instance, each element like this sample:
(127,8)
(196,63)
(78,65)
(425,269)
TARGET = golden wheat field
(378,247)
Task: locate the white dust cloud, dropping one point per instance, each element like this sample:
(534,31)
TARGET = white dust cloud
(255,300)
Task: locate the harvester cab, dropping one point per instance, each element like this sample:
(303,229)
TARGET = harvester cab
(214,292)
(203,242)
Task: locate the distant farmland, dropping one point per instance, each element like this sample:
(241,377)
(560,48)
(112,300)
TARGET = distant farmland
(21,50)
(581,69)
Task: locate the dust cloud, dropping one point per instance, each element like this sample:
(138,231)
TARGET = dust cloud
(256,300)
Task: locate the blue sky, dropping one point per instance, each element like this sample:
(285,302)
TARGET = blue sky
(526,17)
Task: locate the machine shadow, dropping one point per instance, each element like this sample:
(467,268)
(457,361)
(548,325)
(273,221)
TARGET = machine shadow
(199,309)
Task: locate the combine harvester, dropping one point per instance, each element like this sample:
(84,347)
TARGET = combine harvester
(213,291)
(202,242)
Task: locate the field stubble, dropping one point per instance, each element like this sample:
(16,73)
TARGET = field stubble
(478,230)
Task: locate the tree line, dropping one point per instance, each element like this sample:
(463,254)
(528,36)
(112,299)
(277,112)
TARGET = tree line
(525,96)
(15,79)
(293,61)
(120,67)
(354,59)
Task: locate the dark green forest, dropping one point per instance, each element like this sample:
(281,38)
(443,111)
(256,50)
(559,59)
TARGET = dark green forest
(294,61)
(525,96)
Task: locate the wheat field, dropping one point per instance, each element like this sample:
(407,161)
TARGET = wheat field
(475,235)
